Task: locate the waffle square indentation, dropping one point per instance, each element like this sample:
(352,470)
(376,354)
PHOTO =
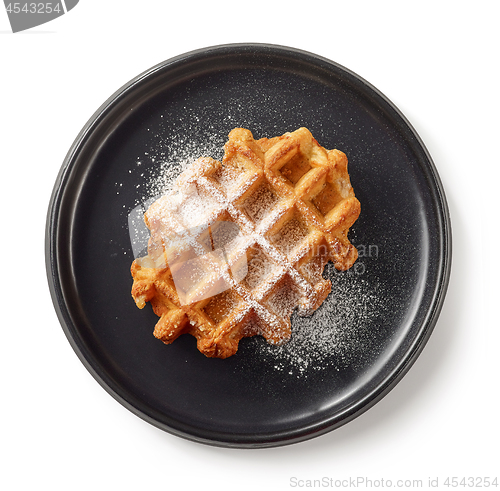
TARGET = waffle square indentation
(220,306)
(260,202)
(295,168)
(259,267)
(327,198)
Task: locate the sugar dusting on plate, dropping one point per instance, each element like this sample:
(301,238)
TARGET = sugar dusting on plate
(170,163)
(334,335)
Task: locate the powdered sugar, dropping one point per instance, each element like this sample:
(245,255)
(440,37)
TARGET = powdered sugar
(334,335)
(170,162)
(258,204)
(259,268)
(195,208)
(290,235)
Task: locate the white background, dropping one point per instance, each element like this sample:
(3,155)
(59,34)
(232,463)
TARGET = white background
(437,61)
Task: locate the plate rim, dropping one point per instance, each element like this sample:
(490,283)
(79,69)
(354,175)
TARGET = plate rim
(278,438)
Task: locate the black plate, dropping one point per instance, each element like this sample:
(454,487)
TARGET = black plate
(380,313)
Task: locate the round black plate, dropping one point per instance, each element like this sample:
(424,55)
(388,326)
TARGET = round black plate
(380,313)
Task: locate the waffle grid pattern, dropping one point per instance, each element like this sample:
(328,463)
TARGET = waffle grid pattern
(292,203)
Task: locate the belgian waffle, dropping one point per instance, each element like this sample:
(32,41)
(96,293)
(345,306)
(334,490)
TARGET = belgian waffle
(286,205)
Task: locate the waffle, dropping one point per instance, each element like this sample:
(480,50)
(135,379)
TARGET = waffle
(239,244)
